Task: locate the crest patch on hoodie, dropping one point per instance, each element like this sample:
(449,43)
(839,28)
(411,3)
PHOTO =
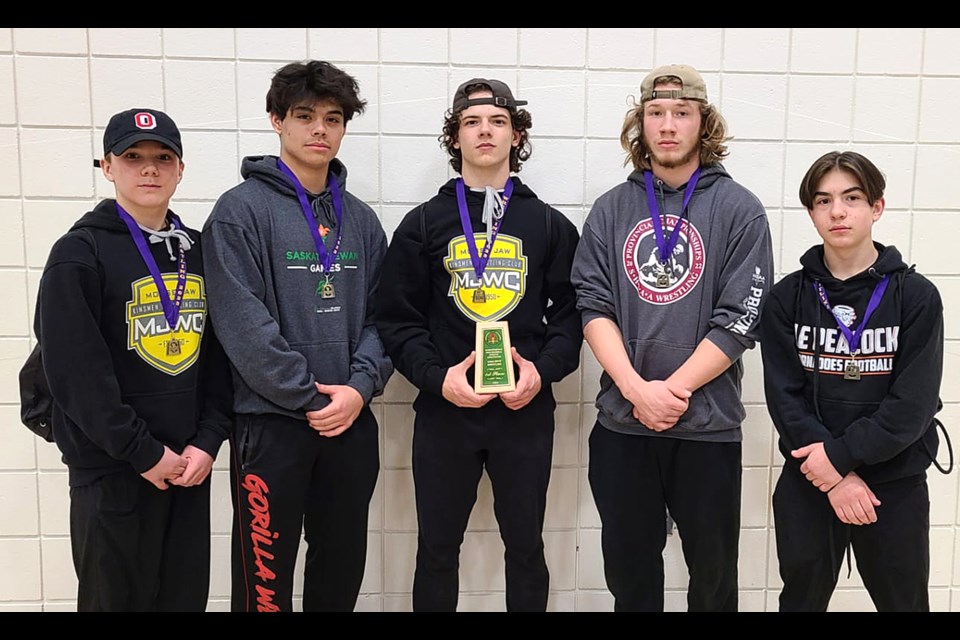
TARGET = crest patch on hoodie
(663,283)
(504,280)
(148,332)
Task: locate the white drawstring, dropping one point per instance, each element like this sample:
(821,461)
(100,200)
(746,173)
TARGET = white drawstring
(156,237)
(492,209)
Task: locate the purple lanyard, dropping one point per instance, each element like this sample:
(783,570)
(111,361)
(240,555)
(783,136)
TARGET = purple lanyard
(326,258)
(480,260)
(171,306)
(664,246)
(853,337)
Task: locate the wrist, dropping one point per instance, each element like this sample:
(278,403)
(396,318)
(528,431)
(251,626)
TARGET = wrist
(631,385)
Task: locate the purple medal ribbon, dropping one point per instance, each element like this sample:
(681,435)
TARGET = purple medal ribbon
(853,337)
(480,259)
(665,247)
(326,258)
(171,306)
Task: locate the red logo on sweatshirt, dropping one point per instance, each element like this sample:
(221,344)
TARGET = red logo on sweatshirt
(645,270)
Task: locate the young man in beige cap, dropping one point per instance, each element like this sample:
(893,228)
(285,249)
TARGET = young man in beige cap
(485,248)
(670,274)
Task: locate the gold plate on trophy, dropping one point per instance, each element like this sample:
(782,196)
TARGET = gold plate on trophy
(493,370)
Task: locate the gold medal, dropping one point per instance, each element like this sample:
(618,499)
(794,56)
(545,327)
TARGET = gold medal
(173,346)
(479,296)
(851,371)
(327,292)
(663,281)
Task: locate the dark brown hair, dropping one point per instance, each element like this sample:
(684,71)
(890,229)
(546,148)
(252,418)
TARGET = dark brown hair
(520,120)
(313,81)
(867,174)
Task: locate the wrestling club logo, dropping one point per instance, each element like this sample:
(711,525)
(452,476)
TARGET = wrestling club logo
(148,332)
(681,272)
(504,280)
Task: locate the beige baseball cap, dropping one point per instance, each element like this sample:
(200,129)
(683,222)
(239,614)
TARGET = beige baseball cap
(692,86)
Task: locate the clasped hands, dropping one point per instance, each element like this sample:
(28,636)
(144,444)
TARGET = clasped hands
(458,391)
(657,404)
(852,500)
(186,469)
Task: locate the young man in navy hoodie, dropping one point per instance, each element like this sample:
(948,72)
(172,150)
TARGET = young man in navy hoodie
(141,394)
(852,347)
(437,285)
(293,260)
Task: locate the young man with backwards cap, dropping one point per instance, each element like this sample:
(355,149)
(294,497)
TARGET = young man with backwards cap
(293,260)
(141,393)
(485,248)
(671,273)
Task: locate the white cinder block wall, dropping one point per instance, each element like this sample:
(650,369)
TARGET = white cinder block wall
(788,95)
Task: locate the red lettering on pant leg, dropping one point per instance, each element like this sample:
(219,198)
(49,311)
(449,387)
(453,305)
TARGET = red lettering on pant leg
(260,537)
(265,602)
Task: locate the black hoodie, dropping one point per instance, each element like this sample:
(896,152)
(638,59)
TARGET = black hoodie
(426,319)
(880,425)
(119,395)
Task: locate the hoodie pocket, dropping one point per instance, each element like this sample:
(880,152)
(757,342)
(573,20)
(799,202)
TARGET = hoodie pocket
(246,427)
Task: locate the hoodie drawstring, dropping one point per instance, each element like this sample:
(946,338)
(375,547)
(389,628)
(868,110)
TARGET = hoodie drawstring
(492,209)
(171,232)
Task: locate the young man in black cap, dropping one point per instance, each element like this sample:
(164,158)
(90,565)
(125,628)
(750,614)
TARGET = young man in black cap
(670,275)
(293,261)
(484,249)
(140,422)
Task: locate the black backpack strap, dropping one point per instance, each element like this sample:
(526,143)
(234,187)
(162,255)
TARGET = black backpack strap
(549,222)
(36,402)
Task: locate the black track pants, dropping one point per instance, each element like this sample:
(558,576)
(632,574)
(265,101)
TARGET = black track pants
(892,554)
(137,548)
(451,448)
(287,479)
(634,480)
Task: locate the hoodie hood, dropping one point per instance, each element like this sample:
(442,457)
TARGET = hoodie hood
(520,190)
(105,217)
(889,261)
(265,169)
(708,175)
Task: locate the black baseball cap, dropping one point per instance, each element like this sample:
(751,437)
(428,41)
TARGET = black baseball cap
(136,125)
(502,96)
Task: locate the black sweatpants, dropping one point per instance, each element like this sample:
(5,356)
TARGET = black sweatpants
(451,448)
(893,553)
(634,480)
(137,548)
(287,479)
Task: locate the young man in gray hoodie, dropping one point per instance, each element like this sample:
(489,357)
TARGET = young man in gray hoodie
(671,273)
(293,264)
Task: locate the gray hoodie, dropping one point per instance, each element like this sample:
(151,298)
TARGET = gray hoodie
(264,292)
(720,273)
